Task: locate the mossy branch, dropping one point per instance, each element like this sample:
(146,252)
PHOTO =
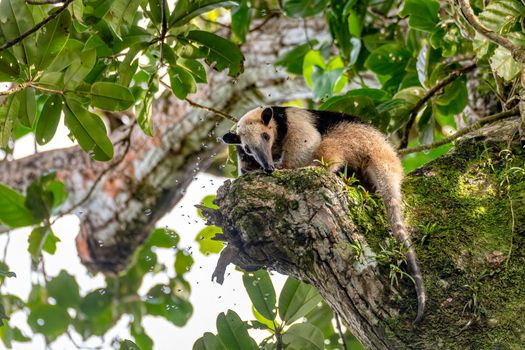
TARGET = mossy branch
(308,224)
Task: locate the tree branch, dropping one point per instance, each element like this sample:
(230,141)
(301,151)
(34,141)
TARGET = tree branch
(518,53)
(430,93)
(477,125)
(45,21)
(306,223)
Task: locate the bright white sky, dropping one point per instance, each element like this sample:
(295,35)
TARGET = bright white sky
(208,299)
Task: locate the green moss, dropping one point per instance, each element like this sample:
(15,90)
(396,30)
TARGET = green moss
(460,205)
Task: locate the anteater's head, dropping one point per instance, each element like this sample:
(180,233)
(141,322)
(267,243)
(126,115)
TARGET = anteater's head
(256,133)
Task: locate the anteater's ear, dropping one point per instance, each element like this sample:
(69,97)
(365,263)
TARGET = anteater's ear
(267,115)
(231,138)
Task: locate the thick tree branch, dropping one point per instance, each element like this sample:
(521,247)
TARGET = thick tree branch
(306,223)
(428,95)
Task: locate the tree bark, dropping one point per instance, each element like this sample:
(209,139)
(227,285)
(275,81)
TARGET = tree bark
(465,212)
(151,178)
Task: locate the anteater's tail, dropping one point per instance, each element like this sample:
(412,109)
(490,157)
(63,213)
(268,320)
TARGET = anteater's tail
(393,208)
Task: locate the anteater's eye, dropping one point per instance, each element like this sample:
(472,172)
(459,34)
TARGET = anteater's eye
(247,149)
(265,136)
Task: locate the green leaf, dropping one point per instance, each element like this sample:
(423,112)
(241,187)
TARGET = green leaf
(503,63)
(69,55)
(42,238)
(52,40)
(88,129)
(3,316)
(303,336)
(358,105)
(80,68)
(144,107)
(160,301)
(233,333)
(324,82)
(195,68)
(183,262)
(64,289)
(111,96)
(128,345)
(9,109)
(182,83)
(262,294)
(49,320)
(163,238)
(138,332)
(293,59)
(220,51)
(303,8)
(47,123)
(240,18)
(501,15)
(185,10)
(4,271)
(9,68)
(121,13)
(206,244)
(208,203)
(296,300)
(13,211)
(424,14)
(208,341)
(27,111)
(389,59)
(16,19)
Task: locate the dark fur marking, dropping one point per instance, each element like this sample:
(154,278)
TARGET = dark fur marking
(231,138)
(248,163)
(325,120)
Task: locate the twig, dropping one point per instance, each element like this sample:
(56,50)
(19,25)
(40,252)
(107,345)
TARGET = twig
(264,22)
(213,110)
(517,52)
(430,93)
(14,89)
(163,29)
(44,2)
(486,120)
(36,27)
(340,331)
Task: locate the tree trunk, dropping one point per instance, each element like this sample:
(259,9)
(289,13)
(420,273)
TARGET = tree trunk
(134,193)
(465,212)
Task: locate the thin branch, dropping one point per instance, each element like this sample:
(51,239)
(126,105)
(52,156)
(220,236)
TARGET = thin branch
(265,21)
(36,27)
(163,29)
(44,2)
(517,52)
(340,331)
(213,110)
(430,93)
(483,121)
(14,89)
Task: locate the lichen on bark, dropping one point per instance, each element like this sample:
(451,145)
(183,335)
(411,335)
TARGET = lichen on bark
(465,212)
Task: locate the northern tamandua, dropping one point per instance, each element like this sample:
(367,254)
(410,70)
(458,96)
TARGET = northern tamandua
(289,138)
